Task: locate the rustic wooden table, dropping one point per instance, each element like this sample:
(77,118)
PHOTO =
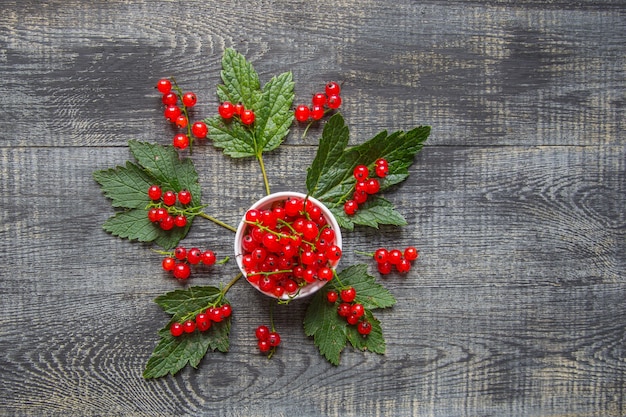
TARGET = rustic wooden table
(517,305)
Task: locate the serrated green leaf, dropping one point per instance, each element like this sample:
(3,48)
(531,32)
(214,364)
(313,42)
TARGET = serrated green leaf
(178,303)
(273,114)
(331,332)
(241,81)
(330,179)
(126,186)
(133,225)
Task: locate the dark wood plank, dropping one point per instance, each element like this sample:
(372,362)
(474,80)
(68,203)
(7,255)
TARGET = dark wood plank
(517,303)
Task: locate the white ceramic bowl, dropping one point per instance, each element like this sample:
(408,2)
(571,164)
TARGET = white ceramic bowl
(266,203)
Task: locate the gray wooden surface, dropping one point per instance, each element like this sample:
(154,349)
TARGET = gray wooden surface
(517,305)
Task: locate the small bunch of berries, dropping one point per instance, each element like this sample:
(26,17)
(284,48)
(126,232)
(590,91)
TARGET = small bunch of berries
(266,339)
(201,321)
(329,99)
(163,211)
(179,114)
(348,308)
(179,262)
(228,110)
(288,246)
(387,260)
(365,185)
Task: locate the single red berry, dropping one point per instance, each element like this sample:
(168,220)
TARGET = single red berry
(167,223)
(344,309)
(262,332)
(181,121)
(381,255)
(352,319)
(302,113)
(403,266)
(364,328)
(319,99)
(274,339)
(169,198)
(181,141)
(382,171)
(226,110)
(184,196)
(168,263)
(325,273)
(194,256)
(215,314)
(189,99)
(348,294)
(384,268)
(395,256)
(264,346)
(208,257)
(164,85)
(200,130)
(350,207)
(203,322)
(189,326)
(332,88)
(411,253)
(291,286)
(171,113)
(226,310)
(239,108)
(357,310)
(332,296)
(333,253)
(247,117)
(334,101)
(360,172)
(153,214)
(154,192)
(373,186)
(360,196)
(169,99)
(176,329)
(180,253)
(317,112)
(182,271)
(161,214)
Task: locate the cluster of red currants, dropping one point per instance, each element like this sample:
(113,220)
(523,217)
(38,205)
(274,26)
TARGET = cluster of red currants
(266,338)
(288,246)
(386,260)
(228,110)
(163,211)
(365,185)
(352,311)
(178,114)
(179,262)
(202,321)
(329,99)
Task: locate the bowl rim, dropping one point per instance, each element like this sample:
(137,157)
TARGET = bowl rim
(308,289)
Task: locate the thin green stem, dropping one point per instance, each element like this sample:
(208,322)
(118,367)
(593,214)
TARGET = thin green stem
(231,283)
(218,222)
(265,180)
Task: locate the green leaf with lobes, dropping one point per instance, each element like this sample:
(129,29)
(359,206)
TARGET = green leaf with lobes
(331,332)
(271,105)
(127,187)
(330,179)
(172,354)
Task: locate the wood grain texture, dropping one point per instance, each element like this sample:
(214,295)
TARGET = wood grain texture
(517,305)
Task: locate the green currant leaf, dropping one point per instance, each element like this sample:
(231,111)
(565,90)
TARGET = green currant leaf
(330,179)
(271,105)
(126,186)
(134,225)
(330,331)
(172,354)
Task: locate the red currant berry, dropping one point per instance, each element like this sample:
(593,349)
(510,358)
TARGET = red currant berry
(180,221)
(180,253)
(357,310)
(332,88)
(364,328)
(226,110)
(302,113)
(194,256)
(239,108)
(226,310)
(203,322)
(247,117)
(360,196)
(181,121)
(319,99)
(350,207)
(182,271)
(169,99)
(360,172)
(382,171)
(169,198)
(189,326)
(184,196)
(373,186)
(153,214)
(161,214)
(168,263)
(333,253)
(264,346)
(154,192)
(215,314)
(332,296)
(164,85)
(189,99)
(181,141)
(325,273)
(317,112)
(395,256)
(200,130)
(167,223)
(291,286)
(274,339)
(411,253)
(384,268)
(381,255)
(352,319)
(176,329)
(344,309)
(208,257)
(348,294)
(262,332)
(334,101)
(403,266)
(171,113)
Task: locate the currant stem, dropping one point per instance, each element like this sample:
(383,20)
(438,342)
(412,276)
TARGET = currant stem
(370,254)
(218,222)
(265,180)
